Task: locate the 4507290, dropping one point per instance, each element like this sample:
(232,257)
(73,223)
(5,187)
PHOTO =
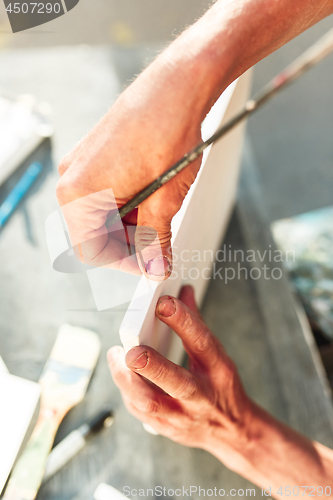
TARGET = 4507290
(34,8)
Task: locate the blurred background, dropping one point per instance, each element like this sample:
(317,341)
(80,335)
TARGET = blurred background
(291,138)
(76,66)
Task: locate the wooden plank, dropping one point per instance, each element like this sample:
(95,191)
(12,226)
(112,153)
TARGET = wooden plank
(198,227)
(305,392)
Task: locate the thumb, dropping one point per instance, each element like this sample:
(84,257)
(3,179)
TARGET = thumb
(153,244)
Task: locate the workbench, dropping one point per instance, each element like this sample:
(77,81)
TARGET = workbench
(260,323)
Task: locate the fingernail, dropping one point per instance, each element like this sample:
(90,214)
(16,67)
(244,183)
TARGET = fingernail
(159,266)
(166,307)
(139,362)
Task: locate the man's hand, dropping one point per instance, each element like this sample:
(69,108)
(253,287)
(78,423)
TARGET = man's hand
(151,126)
(194,406)
(157,120)
(206,407)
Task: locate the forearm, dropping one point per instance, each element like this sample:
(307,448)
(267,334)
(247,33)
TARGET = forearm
(272,455)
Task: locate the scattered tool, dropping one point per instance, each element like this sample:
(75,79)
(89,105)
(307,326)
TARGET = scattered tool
(20,190)
(64,382)
(322,48)
(24,126)
(75,442)
(19,411)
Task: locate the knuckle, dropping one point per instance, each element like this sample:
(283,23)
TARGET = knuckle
(184,319)
(146,236)
(130,407)
(191,324)
(231,372)
(159,374)
(62,191)
(63,165)
(67,190)
(229,377)
(204,340)
(184,185)
(152,407)
(187,389)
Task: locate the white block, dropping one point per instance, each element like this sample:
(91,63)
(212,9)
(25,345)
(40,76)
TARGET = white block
(19,410)
(198,226)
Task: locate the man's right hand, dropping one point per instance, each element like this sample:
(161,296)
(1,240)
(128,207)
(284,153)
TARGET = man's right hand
(151,126)
(157,120)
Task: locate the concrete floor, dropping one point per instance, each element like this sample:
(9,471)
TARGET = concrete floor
(291,137)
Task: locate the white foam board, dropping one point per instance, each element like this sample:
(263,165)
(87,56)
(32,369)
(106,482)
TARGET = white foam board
(198,226)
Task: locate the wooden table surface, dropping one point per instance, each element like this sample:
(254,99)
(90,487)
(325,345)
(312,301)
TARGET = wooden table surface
(256,320)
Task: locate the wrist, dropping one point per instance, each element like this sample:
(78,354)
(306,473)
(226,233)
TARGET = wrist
(267,452)
(232,441)
(252,444)
(247,447)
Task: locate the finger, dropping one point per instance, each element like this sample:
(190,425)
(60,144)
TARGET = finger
(173,379)
(152,243)
(187,296)
(198,341)
(157,212)
(159,424)
(144,397)
(114,254)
